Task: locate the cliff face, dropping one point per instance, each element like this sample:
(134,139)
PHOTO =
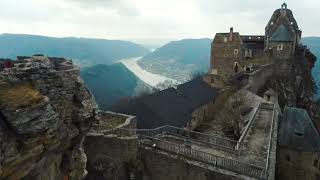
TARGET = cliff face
(293,81)
(45,112)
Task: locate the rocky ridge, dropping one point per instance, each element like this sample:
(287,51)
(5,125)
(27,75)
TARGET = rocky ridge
(45,113)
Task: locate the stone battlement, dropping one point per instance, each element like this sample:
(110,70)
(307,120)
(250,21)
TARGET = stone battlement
(35,62)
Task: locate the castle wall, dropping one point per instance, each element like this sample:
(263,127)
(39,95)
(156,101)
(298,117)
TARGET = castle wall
(159,166)
(297,165)
(111,157)
(224,53)
(200,115)
(285,53)
(223,56)
(258,78)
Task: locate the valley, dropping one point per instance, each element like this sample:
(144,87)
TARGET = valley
(149,78)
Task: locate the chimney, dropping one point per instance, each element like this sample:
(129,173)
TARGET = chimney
(231,34)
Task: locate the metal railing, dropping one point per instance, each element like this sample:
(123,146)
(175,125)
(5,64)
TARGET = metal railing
(201,156)
(246,130)
(212,140)
(271,136)
(150,138)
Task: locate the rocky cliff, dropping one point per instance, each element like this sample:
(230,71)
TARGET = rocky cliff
(45,112)
(293,81)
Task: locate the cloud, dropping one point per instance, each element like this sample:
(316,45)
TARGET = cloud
(122,7)
(148,21)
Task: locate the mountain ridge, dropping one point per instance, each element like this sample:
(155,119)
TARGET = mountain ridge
(84,51)
(177,59)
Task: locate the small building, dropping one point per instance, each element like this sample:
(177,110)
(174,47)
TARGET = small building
(298,151)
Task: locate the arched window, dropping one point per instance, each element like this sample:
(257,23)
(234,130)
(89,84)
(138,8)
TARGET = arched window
(236,52)
(315,163)
(284,6)
(280,47)
(287,157)
(236,67)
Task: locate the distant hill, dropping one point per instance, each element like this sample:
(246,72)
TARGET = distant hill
(314,44)
(83,51)
(111,83)
(179,59)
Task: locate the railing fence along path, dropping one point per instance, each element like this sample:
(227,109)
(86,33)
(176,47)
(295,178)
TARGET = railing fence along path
(211,159)
(247,128)
(150,138)
(214,140)
(274,114)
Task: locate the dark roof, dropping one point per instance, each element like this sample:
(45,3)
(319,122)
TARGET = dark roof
(252,38)
(197,92)
(297,131)
(281,34)
(38,55)
(277,17)
(23,57)
(219,37)
(256,45)
(4,60)
(227,33)
(171,106)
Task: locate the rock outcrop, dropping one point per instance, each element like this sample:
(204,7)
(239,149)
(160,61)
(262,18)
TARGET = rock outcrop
(45,113)
(293,81)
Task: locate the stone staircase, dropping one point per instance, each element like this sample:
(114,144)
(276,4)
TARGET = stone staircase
(2,82)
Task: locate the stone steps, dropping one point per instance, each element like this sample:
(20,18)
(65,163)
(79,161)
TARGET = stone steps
(2,83)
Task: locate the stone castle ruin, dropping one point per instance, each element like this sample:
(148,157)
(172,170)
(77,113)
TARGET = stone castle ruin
(250,117)
(252,128)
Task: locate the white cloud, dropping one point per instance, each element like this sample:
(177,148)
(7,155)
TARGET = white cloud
(148,21)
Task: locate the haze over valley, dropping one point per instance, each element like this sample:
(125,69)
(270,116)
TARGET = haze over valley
(135,70)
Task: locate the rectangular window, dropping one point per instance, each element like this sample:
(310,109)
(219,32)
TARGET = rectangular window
(225,39)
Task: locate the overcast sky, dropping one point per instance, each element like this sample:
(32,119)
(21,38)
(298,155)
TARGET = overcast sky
(149,21)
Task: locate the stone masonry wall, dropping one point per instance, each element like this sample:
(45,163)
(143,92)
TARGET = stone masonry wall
(159,166)
(111,157)
(296,165)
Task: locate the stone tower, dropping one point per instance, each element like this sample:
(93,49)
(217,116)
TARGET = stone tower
(282,33)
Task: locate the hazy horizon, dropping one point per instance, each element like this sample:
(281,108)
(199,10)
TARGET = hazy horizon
(151,46)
